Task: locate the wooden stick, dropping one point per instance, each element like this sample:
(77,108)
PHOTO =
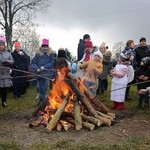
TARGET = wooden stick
(112,115)
(57,115)
(82,98)
(92,120)
(88,126)
(95,100)
(105,121)
(65,125)
(37,122)
(59,126)
(105,116)
(77,115)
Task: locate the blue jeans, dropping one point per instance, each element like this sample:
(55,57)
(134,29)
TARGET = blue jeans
(91,86)
(42,85)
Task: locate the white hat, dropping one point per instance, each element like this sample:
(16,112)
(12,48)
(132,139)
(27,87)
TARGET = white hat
(98,53)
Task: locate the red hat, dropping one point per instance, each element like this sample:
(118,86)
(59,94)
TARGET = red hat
(88,44)
(17,44)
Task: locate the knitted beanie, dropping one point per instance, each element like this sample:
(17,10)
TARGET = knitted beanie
(2,40)
(146,61)
(123,57)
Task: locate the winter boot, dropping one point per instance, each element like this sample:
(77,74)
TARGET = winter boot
(120,106)
(114,105)
(140,103)
(4,103)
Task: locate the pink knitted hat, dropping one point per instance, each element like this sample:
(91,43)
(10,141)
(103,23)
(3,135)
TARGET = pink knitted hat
(45,42)
(2,40)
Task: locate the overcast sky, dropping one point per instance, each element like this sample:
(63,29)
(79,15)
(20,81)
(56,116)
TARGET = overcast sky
(66,21)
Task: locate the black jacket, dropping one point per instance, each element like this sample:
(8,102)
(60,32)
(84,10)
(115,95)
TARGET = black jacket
(141,52)
(145,70)
(21,62)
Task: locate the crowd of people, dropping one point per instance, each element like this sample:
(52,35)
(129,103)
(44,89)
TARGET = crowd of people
(94,65)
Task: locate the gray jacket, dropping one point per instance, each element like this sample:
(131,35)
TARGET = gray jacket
(106,67)
(6,60)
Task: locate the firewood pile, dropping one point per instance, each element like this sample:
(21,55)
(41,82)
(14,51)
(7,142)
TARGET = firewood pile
(71,105)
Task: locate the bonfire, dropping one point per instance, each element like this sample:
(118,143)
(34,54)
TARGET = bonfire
(71,105)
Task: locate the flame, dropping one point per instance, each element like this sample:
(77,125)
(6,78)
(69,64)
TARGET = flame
(58,93)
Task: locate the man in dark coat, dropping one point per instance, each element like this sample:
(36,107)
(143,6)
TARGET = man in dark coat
(21,62)
(81,46)
(141,51)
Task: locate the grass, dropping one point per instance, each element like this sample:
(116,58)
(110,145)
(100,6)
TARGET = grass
(131,143)
(15,105)
(9,146)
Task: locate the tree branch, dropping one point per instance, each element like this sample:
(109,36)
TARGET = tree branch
(1,10)
(2,24)
(29,5)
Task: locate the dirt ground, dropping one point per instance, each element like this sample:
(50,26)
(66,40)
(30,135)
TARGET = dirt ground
(14,127)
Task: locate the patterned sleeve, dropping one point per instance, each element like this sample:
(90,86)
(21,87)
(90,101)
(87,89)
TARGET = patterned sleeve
(121,73)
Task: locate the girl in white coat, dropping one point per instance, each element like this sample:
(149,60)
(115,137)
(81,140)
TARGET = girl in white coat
(119,82)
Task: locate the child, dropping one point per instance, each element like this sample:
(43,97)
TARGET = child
(103,77)
(92,68)
(42,64)
(119,82)
(142,74)
(87,52)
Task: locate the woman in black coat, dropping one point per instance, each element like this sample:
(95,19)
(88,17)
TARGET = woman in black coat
(21,62)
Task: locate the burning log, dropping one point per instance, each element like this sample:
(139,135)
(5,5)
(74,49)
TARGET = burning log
(57,115)
(77,115)
(92,120)
(41,107)
(37,122)
(82,98)
(80,108)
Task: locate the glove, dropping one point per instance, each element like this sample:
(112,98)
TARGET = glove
(5,62)
(42,68)
(38,70)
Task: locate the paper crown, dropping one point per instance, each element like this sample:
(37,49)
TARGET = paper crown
(45,42)
(17,44)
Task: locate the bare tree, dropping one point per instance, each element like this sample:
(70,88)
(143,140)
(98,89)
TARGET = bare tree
(14,12)
(71,58)
(118,47)
(28,37)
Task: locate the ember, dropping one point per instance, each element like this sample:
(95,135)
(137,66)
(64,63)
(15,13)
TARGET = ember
(70,104)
